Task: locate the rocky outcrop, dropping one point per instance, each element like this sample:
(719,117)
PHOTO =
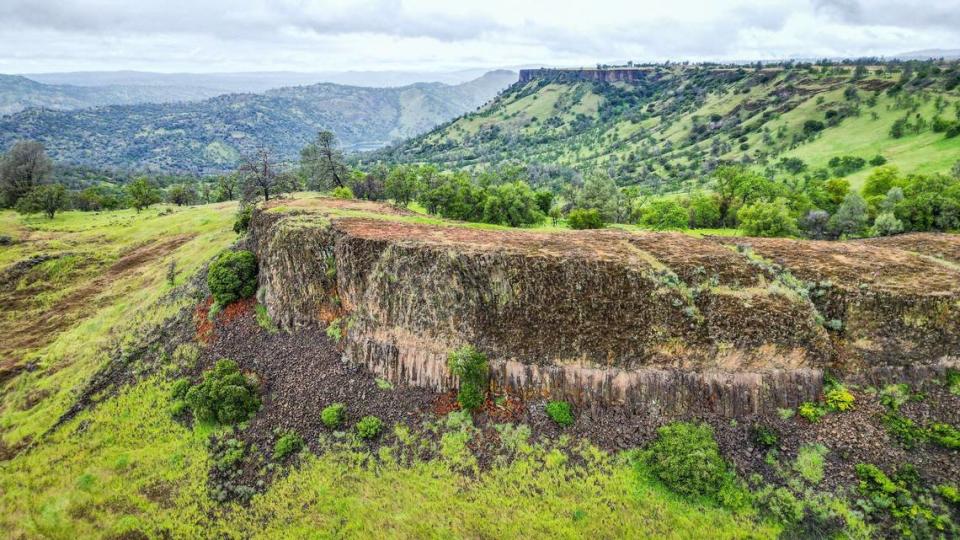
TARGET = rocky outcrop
(662,321)
(586,74)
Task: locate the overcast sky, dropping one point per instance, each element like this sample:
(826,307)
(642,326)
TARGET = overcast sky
(306,35)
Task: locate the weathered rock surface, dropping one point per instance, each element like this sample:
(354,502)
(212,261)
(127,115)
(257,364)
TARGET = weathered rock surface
(663,321)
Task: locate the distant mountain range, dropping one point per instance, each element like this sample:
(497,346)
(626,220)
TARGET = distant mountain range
(210,135)
(18,93)
(256,81)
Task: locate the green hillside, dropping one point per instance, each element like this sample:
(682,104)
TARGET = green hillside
(675,124)
(210,135)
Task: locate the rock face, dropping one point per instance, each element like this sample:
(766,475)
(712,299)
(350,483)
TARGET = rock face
(586,74)
(662,321)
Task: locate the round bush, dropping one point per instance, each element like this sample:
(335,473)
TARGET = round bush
(686,458)
(232,276)
(560,412)
(334,415)
(224,395)
(585,219)
(369,427)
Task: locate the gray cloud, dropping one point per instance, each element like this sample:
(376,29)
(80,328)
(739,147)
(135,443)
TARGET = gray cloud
(199,35)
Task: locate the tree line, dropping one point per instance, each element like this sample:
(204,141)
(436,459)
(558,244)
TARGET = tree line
(820,204)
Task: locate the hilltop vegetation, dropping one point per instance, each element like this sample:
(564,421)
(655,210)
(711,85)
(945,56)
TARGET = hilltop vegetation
(211,135)
(668,130)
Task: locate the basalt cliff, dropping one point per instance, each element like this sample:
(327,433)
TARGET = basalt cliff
(666,321)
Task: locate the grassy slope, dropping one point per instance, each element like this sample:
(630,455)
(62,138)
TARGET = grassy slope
(126,466)
(605,144)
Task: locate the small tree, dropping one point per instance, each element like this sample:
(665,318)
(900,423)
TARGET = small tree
(470,366)
(816,224)
(142,194)
(402,185)
(880,181)
(851,218)
(47,198)
(182,194)
(227,187)
(261,177)
(22,168)
(768,219)
(585,219)
(664,214)
(322,163)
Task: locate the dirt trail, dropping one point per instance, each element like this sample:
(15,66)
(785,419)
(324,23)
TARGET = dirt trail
(34,332)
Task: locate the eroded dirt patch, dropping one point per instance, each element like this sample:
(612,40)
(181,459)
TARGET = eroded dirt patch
(31,332)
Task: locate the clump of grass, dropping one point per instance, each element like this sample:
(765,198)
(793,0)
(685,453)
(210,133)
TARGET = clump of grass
(264,320)
(560,412)
(810,462)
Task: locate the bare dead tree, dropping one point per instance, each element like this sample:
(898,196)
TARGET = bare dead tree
(261,176)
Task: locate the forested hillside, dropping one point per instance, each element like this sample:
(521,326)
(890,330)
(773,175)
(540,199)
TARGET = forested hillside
(210,135)
(672,125)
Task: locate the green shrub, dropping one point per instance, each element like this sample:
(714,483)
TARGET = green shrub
(953,381)
(893,396)
(686,458)
(781,504)
(812,412)
(369,427)
(232,276)
(664,214)
(334,415)
(342,192)
(944,435)
(950,493)
(763,436)
(560,412)
(903,429)
(224,395)
(229,454)
(839,399)
(768,219)
(912,509)
(242,223)
(470,366)
(585,219)
(334,332)
(289,443)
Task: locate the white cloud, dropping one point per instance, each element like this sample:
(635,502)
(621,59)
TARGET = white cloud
(304,35)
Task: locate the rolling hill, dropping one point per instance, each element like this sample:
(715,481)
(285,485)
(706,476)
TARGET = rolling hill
(209,135)
(668,126)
